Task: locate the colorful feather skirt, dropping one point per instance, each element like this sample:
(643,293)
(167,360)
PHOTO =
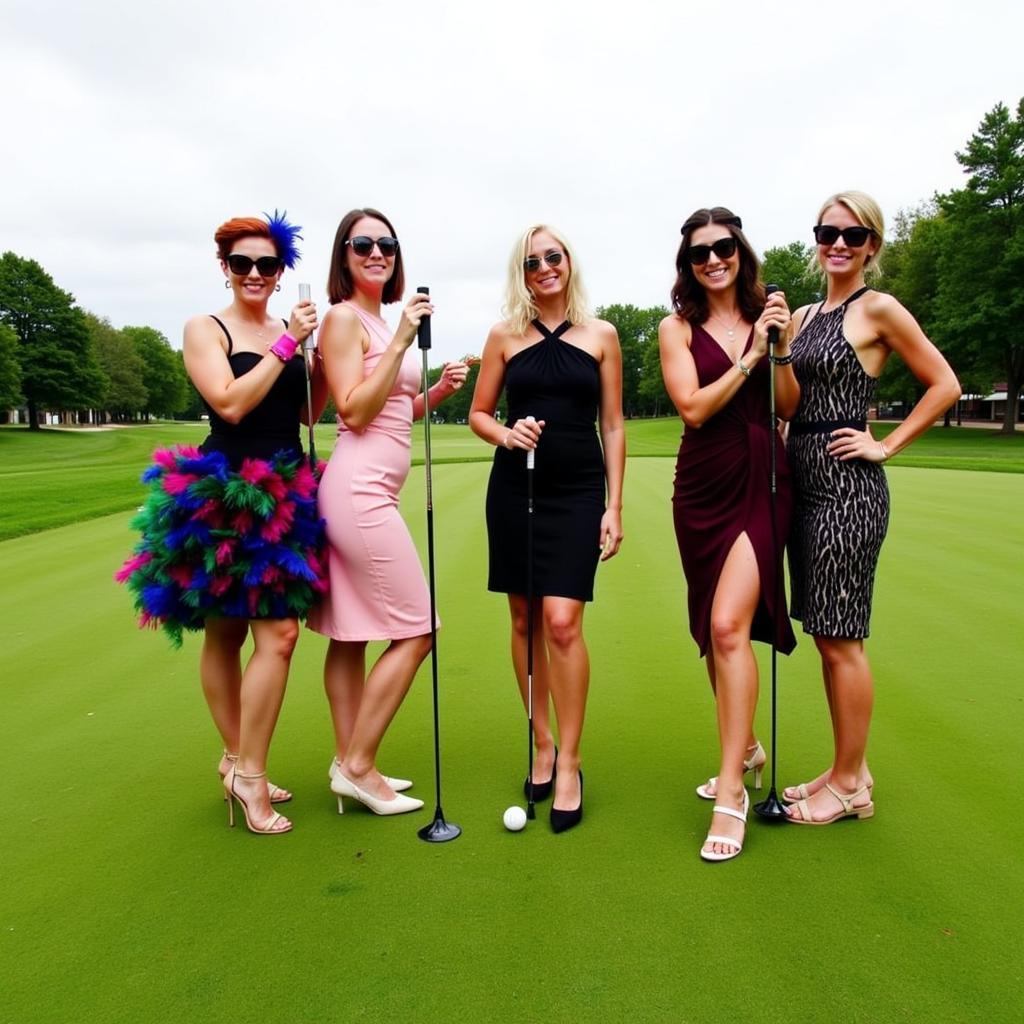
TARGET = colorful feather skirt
(245,543)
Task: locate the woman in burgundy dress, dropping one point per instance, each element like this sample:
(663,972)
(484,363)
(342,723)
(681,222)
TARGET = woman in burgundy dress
(713,359)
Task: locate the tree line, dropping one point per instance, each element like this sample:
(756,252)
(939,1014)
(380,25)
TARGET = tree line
(56,357)
(956,261)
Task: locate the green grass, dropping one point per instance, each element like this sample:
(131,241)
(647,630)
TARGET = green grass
(99,470)
(127,898)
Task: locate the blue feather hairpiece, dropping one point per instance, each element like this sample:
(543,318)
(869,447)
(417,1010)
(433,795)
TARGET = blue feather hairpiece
(283,236)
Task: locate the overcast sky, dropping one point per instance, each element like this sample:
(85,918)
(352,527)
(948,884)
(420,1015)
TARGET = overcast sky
(131,130)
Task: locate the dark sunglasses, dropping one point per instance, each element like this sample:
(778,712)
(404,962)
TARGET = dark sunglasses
(552,259)
(826,234)
(698,255)
(362,245)
(266,266)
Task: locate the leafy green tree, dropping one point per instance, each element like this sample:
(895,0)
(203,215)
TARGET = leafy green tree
(788,267)
(10,370)
(58,370)
(981,266)
(163,374)
(125,394)
(638,332)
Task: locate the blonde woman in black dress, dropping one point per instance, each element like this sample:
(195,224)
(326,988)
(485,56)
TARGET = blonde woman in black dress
(561,370)
(842,501)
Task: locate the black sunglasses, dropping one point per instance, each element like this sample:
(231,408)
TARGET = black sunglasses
(362,245)
(266,266)
(698,255)
(552,259)
(826,234)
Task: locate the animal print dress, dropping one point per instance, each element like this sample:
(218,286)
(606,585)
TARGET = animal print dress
(841,510)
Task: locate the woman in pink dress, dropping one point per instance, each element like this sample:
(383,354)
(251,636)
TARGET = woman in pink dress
(377,588)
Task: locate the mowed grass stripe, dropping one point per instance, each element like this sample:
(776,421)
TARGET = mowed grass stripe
(131,899)
(50,478)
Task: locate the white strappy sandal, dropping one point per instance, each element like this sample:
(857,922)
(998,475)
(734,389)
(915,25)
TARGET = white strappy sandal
(727,840)
(755,763)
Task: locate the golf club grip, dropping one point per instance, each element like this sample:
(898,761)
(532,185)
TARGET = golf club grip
(423,331)
(530,452)
(773,332)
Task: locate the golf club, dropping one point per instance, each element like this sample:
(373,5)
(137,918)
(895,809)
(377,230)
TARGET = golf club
(531,811)
(308,347)
(439,830)
(771,807)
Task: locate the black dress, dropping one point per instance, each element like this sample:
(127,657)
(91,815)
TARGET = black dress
(723,489)
(559,383)
(842,508)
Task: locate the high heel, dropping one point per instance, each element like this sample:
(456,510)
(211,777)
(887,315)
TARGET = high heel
(342,786)
(755,763)
(563,820)
(541,790)
(272,826)
(710,855)
(278,795)
(398,785)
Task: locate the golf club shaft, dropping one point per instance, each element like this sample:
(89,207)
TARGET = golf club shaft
(530,457)
(773,338)
(430,576)
(308,347)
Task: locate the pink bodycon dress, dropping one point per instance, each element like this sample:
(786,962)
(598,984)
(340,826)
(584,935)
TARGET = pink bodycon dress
(377,588)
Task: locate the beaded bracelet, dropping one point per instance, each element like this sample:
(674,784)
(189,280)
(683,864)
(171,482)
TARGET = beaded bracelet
(781,360)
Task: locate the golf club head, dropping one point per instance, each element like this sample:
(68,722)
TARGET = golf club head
(439,830)
(771,808)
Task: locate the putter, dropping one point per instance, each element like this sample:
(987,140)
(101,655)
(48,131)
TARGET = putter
(439,830)
(307,354)
(771,807)
(531,811)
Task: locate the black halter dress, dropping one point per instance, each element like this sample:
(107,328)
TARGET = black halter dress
(559,383)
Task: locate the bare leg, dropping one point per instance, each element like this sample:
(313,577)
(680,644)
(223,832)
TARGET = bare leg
(262,691)
(543,763)
(853,697)
(732,613)
(569,666)
(344,675)
(385,688)
(220,671)
(711,786)
(812,787)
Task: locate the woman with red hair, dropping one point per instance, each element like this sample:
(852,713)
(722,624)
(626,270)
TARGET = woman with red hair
(230,533)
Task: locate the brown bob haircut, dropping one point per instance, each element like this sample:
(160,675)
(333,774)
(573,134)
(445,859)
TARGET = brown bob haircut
(238,228)
(689,299)
(339,280)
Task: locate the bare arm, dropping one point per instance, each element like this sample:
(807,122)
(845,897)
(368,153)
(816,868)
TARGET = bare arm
(453,376)
(901,334)
(695,404)
(613,439)
(206,363)
(489,382)
(360,398)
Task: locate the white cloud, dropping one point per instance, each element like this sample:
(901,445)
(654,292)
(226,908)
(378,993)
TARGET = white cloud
(132,130)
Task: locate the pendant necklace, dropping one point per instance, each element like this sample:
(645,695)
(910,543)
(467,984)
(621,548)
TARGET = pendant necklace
(731,331)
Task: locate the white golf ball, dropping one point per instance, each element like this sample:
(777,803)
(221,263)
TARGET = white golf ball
(514,819)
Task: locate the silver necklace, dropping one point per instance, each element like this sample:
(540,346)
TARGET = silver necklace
(731,331)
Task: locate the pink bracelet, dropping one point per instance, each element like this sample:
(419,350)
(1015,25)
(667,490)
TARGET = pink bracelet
(284,348)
